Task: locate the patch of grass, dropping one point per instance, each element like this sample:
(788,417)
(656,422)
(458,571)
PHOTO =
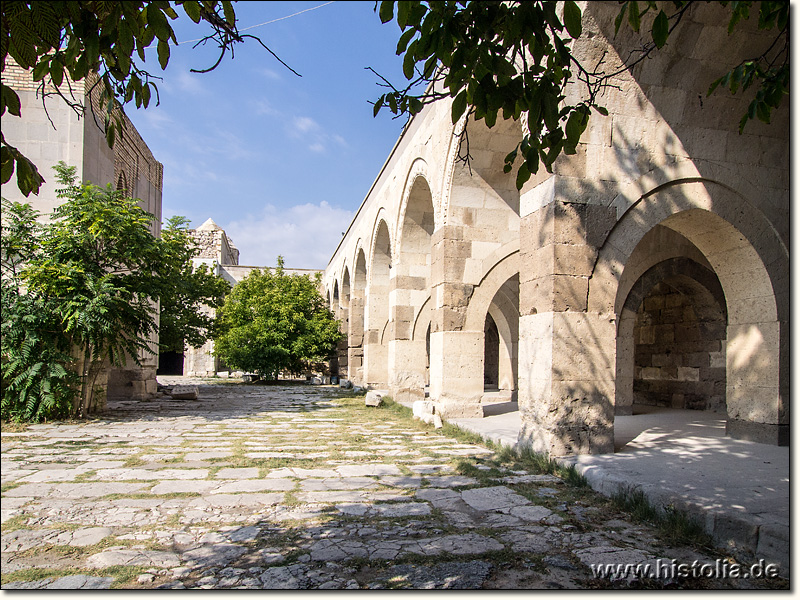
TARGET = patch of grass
(149,496)
(674,526)
(123,574)
(37,574)
(290,498)
(6,487)
(13,427)
(85,476)
(15,522)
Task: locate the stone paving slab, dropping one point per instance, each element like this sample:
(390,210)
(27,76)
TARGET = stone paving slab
(287,487)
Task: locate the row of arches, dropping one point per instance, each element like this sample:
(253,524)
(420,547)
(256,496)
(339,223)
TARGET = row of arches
(700,319)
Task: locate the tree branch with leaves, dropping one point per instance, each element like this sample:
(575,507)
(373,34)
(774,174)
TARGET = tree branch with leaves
(63,43)
(514,60)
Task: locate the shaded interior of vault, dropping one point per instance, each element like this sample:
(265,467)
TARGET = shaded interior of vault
(680,337)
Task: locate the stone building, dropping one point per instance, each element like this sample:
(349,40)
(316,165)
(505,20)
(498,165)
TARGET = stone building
(217,251)
(61,134)
(650,267)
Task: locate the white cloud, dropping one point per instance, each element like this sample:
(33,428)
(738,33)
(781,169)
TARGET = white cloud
(268,73)
(317,147)
(304,125)
(305,235)
(262,107)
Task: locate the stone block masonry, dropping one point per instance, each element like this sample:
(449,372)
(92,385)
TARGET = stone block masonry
(646,269)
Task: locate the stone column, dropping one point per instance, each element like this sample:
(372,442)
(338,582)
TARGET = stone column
(355,340)
(376,350)
(566,354)
(342,347)
(456,369)
(407,357)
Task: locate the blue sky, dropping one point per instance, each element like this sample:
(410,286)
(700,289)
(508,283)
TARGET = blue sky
(280,162)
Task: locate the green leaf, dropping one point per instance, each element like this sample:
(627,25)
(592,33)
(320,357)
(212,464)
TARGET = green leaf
(620,18)
(763,112)
(660,29)
(523,174)
(42,68)
(459,106)
(386,11)
(56,72)
(403,13)
(110,134)
(633,16)
(572,19)
(6,165)
(10,100)
(192,10)
(158,22)
(402,44)
(163,54)
(408,63)
(230,15)
(376,109)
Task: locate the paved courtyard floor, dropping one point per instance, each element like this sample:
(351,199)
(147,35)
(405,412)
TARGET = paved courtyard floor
(299,487)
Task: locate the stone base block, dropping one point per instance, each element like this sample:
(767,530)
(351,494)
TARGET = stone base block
(460,408)
(762,433)
(373,399)
(132,384)
(185,392)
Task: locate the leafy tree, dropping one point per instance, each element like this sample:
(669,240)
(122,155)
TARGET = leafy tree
(184,320)
(94,273)
(64,42)
(36,383)
(273,321)
(514,59)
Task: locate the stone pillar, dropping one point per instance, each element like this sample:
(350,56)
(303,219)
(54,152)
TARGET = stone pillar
(355,340)
(342,347)
(566,354)
(376,350)
(456,368)
(407,357)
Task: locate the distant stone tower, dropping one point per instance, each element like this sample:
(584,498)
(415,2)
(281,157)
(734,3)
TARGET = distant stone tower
(215,250)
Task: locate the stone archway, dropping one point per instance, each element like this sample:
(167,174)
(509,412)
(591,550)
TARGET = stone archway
(747,256)
(355,331)
(410,290)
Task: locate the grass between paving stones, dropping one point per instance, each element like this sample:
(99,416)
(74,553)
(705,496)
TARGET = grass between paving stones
(122,575)
(15,522)
(674,526)
(7,487)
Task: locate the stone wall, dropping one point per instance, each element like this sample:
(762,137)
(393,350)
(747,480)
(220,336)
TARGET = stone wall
(680,351)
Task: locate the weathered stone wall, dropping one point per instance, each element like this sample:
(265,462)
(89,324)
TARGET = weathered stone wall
(680,351)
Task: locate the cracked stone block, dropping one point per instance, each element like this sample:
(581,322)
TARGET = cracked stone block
(185,392)
(131,557)
(373,399)
(493,498)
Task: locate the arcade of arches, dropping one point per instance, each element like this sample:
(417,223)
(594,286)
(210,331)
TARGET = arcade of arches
(650,268)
